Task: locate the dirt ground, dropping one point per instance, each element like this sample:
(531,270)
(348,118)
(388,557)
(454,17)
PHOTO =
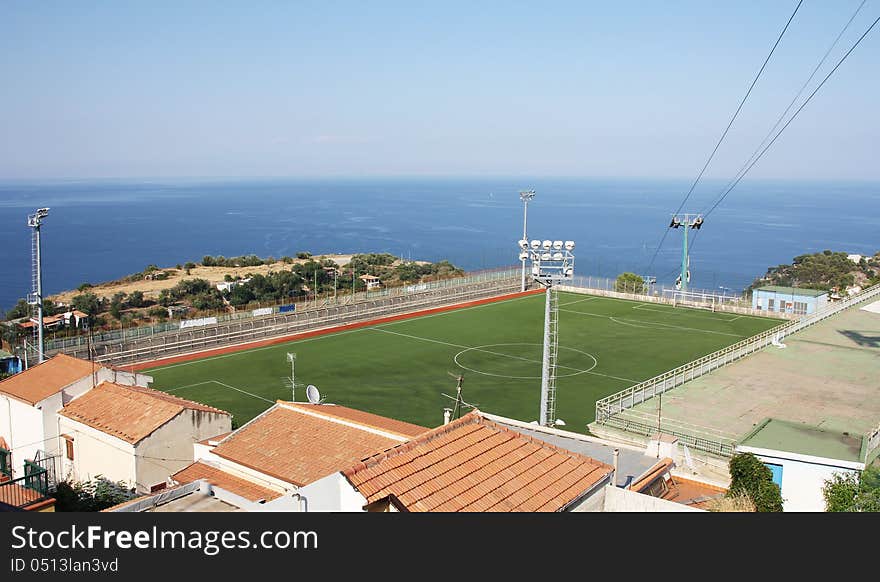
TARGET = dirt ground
(827,376)
(151,289)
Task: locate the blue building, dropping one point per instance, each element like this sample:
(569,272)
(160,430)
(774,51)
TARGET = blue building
(9,364)
(789,299)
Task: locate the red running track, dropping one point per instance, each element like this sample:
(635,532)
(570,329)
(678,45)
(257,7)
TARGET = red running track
(307,334)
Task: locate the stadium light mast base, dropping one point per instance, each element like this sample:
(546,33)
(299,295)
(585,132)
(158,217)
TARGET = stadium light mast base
(552,263)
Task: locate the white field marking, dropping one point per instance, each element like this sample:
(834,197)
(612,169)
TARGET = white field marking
(377,328)
(481,349)
(248,351)
(337,333)
(245,392)
(189,386)
(679,313)
(222,384)
(451,311)
(612,318)
(578,301)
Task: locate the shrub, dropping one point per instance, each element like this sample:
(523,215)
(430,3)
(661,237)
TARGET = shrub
(95,495)
(753,478)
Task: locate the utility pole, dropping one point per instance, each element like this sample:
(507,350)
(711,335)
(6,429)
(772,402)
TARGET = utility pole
(526,196)
(685,221)
(291,357)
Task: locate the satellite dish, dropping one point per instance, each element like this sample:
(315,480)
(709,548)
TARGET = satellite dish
(559,422)
(313,394)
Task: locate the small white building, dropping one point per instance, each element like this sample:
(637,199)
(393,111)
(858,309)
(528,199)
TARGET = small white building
(371,281)
(855,258)
(802,457)
(30,400)
(133,434)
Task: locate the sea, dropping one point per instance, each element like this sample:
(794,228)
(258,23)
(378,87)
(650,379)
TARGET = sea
(99,230)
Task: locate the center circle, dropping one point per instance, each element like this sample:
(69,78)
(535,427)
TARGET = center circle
(488,348)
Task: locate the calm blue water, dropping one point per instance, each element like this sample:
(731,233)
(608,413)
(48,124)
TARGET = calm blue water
(103,230)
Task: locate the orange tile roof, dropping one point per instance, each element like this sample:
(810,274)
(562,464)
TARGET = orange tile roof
(232,483)
(43,380)
(475,464)
(360,417)
(130,413)
(300,443)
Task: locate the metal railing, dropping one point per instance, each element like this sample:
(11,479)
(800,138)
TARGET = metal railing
(24,491)
(608,407)
(302,304)
(277,325)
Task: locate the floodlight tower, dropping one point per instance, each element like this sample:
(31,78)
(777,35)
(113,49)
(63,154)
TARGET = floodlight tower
(35,297)
(552,263)
(686,221)
(526,196)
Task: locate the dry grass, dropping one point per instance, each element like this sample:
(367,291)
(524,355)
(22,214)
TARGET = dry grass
(739,502)
(151,289)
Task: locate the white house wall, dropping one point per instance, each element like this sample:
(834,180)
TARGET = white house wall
(617,499)
(170,448)
(241,471)
(333,493)
(802,482)
(96,453)
(22,426)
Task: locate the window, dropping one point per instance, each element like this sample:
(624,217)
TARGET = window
(770,304)
(800,308)
(68,441)
(777,473)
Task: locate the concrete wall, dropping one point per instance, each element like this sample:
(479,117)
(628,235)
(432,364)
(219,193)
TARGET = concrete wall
(97,453)
(170,448)
(333,493)
(617,499)
(22,426)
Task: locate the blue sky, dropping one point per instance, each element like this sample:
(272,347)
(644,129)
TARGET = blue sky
(631,89)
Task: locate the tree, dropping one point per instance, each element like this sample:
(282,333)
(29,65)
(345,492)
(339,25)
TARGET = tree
(116,304)
(87,303)
(95,495)
(752,477)
(21,309)
(629,283)
(853,491)
(136,299)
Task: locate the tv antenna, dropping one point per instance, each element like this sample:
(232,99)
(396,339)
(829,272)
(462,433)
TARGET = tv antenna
(313,394)
(291,357)
(455,412)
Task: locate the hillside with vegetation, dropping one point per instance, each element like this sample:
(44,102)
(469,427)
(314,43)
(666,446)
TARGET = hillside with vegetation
(221,284)
(827,271)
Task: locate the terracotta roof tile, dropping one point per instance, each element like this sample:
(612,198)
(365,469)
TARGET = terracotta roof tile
(130,413)
(232,483)
(300,443)
(43,380)
(475,464)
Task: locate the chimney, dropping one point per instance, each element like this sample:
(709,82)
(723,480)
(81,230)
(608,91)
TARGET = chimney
(616,463)
(447,414)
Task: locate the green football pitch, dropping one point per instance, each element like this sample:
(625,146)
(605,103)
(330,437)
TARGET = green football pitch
(402,369)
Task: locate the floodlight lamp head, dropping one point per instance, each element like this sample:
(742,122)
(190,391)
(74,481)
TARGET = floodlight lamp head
(557,245)
(557,256)
(536,244)
(42,212)
(697,223)
(674,223)
(526,195)
(523,244)
(546,256)
(569,245)
(523,256)
(547,244)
